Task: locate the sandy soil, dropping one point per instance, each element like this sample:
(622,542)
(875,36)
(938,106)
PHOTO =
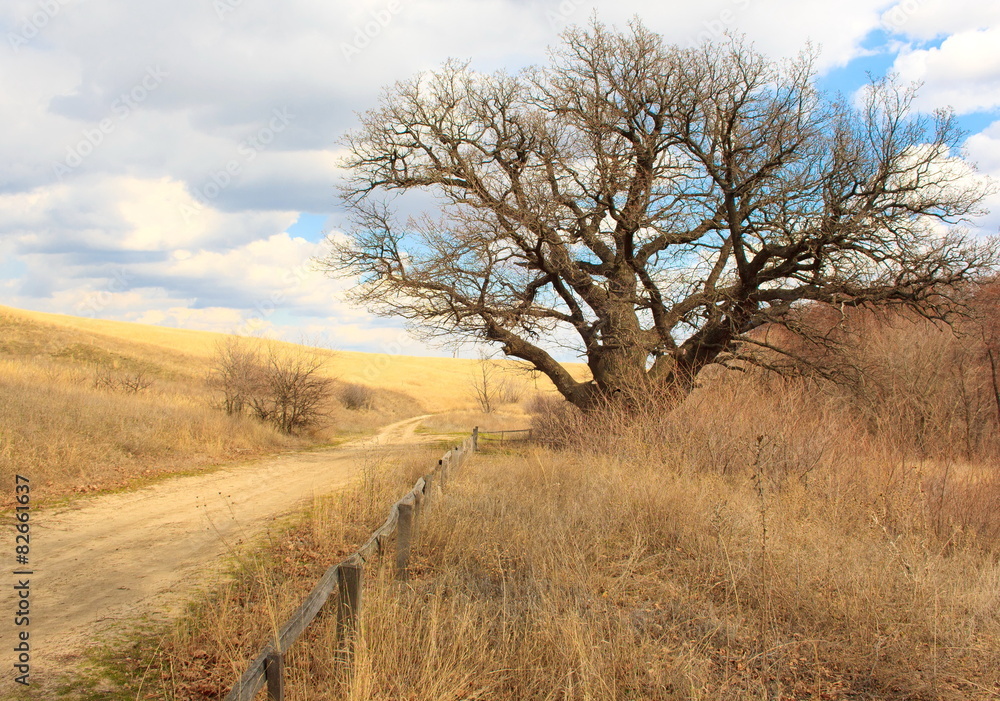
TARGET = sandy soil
(117,557)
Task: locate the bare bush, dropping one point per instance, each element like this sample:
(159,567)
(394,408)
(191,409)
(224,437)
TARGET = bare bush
(985,327)
(112,379)
(357,397)
(491,387)
(554,421)
(485,384)
(510,391)
(236,372)
(280,386)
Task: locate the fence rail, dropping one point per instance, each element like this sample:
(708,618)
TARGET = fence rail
(520,434)
(347,578)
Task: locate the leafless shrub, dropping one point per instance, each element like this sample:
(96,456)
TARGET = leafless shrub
(510,391)
(236,371)
(491,387)
(554,421)
(485,385)
(356,397)
(112,379)
(279,386)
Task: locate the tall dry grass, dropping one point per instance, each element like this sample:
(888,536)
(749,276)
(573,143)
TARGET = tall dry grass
(558,576)
(71,437)
(766,539)
(88,406)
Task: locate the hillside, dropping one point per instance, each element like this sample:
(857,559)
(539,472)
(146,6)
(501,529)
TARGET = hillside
(438,383)
(77,436)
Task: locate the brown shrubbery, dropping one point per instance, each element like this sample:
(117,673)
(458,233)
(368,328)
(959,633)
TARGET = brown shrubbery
(114,380)
(916,387)
(356,397)
(75,437)
(768,537)
(282,386)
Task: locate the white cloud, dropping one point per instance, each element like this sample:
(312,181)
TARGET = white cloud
(927,19)
(126,214)
(964,72)
(984,151)
(178,211)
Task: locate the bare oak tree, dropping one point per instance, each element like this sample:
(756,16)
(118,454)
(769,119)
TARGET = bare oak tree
(653,203)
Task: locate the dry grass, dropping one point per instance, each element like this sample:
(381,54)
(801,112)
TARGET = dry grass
(758,546)
(70,437)
(201,655)
(73,433)
(510,416)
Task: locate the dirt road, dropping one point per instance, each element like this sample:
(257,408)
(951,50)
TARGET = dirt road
(119,556)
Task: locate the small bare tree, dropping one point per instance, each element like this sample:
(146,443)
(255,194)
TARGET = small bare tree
(281,386)
(492,386)
(486,384)
(293,392)
(657,204)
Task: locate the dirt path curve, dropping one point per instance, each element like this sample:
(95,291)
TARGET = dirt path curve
(119,556)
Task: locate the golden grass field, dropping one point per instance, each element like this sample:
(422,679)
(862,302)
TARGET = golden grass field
(767,539)
(75,437)
(439,383)
(566,575)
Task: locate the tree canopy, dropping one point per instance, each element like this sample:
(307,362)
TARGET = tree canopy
(653,203)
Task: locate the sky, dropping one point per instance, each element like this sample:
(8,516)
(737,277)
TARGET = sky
(175,162)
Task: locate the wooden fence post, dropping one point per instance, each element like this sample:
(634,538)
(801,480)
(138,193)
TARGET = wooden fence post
(349,585)
(274,673)
(348,576)
(404,533)
(418,510)
(428,491)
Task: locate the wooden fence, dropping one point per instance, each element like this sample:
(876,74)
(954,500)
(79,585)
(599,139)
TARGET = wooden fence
(518,435)
(347,577)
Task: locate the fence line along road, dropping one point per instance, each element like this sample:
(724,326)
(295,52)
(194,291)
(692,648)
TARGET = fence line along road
(347,578)
(518,435)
